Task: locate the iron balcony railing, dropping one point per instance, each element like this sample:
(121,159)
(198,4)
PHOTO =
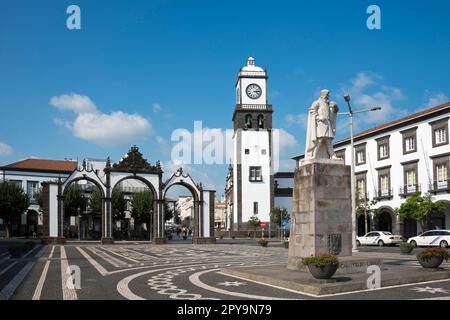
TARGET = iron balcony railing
(405,191)
(439,186)
(384,194)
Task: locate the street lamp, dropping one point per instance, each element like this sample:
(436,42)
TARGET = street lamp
(350,113)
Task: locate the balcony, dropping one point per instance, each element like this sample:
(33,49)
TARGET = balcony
(384,194)
(406,191)
(439,186)
(254,107)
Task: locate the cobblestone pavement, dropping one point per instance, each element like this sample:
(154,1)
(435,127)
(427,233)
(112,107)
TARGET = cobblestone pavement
(178,272)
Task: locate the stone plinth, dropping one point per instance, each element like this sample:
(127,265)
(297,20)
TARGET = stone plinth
(321,211)
(160,240)
(53,240)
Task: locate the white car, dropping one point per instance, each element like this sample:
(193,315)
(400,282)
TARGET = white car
(432,238)
(379,238)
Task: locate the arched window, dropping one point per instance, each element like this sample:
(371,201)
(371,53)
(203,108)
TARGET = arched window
(260,121)
(248,121)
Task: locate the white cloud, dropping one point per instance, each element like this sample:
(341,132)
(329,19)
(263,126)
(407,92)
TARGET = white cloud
(161,141)
(156,108)
(74,102)
(436,98)
(110,129)
(5,150)
(103,129)
(369,91)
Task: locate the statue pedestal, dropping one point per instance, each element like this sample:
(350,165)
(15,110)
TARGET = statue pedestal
(321,211)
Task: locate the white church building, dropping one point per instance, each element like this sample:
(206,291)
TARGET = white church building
(250,178)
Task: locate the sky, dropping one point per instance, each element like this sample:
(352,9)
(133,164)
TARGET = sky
(137,71)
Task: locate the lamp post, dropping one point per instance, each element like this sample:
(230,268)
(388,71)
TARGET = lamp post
(79,223)
(350,113)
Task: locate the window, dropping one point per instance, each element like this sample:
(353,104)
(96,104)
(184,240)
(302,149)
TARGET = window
(383,148)
(260,121)
(360,154)
(441,178)
(255,174)
(410,178)
(409,140)
(255,207)
(247,151)
(32,188)
(410,144)
(263,152)
(248,121)
(440,136)
(384,182)
(361,185)
(439,131)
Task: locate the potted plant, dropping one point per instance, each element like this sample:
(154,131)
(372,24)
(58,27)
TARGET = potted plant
(263,242)
(322,266)
(432,257)
(406,248)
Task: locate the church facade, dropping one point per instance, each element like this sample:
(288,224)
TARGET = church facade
(249,182)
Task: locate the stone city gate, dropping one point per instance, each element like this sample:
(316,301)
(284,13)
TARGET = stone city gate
(132,166)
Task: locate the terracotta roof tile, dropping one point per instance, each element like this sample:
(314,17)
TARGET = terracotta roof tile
(44,165)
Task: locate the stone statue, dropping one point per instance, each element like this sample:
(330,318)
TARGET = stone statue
(321,128)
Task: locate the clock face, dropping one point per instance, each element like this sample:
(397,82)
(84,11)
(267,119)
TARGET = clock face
(253,91)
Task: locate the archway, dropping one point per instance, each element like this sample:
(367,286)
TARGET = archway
(203,206)
(385,220)
(181,208)
(83,217)
(132,223)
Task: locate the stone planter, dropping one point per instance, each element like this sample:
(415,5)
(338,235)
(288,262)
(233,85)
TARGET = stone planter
(325,272)
(406,250)
(431,262)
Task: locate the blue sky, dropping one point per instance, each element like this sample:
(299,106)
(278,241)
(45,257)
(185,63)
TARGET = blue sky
(145,68)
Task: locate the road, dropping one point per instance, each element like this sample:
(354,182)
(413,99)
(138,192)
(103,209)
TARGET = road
(176,271)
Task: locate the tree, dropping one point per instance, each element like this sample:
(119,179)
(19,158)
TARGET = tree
(364,206)
(169,213)
(118,204)
(278,215)
(95,203)
(74,200)
(254,222)
(419,208)
(13,202)
(142,205)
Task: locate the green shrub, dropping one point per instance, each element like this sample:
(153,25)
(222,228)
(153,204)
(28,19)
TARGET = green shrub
(263,242)
(406,245)
(434,252)
(321,260)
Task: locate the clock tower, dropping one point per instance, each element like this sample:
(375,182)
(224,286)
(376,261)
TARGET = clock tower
(252,142)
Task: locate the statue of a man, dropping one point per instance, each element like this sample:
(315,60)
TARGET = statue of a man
(321,128)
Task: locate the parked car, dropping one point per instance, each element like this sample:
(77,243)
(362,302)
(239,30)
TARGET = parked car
(379,238)
(432,238)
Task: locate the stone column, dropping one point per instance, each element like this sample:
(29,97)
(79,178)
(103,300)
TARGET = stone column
(321,211)
(159,236)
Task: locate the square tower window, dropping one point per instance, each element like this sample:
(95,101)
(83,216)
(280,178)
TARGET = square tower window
(255,174)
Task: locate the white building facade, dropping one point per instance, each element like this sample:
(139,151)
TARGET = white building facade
(397,159)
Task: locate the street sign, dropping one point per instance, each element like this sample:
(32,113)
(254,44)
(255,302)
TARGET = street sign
(285,223)
(263,224)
